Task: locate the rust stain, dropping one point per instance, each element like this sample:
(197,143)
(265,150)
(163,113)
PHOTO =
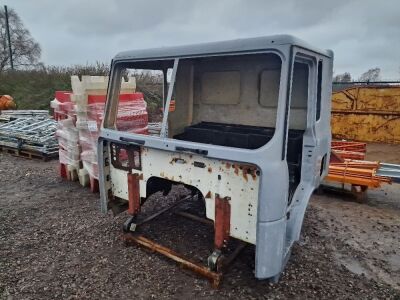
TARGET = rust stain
(144,151)
(209,170)
(245,176)
(250,170)
(246,170)
(140,176)
(209,195)
(228,165)
(236,169)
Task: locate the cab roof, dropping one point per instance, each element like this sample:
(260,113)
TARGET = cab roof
(206,49)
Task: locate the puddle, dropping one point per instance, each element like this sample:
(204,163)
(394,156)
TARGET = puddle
(394,262)
(353,265)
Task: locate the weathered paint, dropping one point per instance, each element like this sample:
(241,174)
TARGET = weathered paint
(235,181)
(367,113)
(258,204)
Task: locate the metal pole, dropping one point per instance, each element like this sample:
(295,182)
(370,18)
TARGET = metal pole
(8,37)
(165,87)
(168,101)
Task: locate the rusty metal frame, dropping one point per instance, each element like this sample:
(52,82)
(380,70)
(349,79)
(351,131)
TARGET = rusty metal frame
(194,217)
(160,212)
(221,236)
(214,277)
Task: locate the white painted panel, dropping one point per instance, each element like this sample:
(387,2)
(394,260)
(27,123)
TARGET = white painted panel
(235,182)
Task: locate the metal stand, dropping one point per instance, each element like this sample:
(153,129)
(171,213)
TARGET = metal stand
(216,262)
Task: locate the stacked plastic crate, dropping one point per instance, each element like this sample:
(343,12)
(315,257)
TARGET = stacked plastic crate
(67,135)
(89,96)
(61,105)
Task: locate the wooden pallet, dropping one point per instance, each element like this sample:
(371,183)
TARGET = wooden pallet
(27,153)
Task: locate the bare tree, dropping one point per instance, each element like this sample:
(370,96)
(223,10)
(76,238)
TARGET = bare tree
(345,77)
(371,75)
(25,50)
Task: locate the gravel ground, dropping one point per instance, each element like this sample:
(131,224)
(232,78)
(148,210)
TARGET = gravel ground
(54,243)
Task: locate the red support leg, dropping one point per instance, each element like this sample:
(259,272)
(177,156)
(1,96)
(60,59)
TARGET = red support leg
(63,171)
(94,185)
(222,221)
(133,194)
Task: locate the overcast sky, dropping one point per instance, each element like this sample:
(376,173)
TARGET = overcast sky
(362,33)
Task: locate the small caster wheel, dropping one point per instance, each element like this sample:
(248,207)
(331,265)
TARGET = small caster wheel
(214,261)
(130,225)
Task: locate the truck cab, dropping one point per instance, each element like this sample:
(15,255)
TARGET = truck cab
(249,133)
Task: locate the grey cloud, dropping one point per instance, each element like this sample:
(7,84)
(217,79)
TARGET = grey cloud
(362,33)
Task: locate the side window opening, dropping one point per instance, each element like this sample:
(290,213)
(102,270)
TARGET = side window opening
(319,87)
(150,84)
(299,87)
(140,110)
(143,107)
(297,123)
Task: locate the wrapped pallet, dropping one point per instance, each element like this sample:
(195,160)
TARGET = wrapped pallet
(67,135)
(69,149)
(131,117)
(89,96)
(62,106)
(80,113)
